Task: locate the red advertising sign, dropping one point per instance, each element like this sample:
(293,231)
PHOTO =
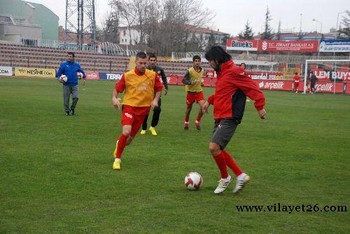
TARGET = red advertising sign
(90,75)
(288,46)
(241,44)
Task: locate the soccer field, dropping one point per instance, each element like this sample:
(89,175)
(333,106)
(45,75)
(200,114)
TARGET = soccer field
(56,170)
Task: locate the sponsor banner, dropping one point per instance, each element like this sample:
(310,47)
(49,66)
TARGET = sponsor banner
(241,44)
(288,46)
(5,71)
(340,74)
(172,80)
(110,76)
(207,81)
(334,46)
(90,75)
(322,86)
(265,75)
(274,84)
(35,72)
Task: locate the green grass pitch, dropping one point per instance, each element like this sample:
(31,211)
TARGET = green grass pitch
(56,170)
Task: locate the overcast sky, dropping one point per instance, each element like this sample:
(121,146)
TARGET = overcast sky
(232,15)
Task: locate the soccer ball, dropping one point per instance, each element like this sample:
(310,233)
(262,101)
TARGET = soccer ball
(64,78)
(80,75)
(193,181)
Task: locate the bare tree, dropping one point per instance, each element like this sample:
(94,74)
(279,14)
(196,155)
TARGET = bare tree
(163,24)
(344,31)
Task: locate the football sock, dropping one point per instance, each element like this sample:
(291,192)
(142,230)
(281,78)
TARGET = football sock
(231,163)
(121,145)
(187,119)
(221,163)
(199,118)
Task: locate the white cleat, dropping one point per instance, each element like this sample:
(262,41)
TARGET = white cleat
(241,181)
(223,183)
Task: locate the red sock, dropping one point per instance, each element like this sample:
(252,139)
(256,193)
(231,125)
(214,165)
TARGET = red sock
(199,118)
(220,162)
(187,119)
(231,163)
(121,145)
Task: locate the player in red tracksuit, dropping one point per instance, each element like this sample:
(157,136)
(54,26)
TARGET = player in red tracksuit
(232,88)
(296,79)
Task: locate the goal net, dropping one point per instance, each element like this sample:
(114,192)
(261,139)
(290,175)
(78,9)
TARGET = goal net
(333,76)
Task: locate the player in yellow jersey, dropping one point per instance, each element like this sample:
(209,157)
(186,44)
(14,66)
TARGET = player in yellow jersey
(142,89)
(193,86)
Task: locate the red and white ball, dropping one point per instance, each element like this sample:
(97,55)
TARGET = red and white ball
(64,78)
(193,181)
(80,75)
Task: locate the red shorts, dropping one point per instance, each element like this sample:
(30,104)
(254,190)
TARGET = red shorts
(194,97)
(134,116)
(296,85)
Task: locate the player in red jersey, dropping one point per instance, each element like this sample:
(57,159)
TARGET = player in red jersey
(142,89)
(232,88)
(296,79)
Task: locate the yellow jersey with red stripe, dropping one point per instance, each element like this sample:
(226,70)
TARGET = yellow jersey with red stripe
(139,89)
(196,80)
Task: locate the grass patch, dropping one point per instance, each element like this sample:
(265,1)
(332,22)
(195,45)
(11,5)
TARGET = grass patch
(56,171)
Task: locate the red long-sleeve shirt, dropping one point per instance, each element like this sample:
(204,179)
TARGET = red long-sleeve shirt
(231,79)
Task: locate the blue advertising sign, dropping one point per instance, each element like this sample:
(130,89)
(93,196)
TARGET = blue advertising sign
(110,76)
(334,46)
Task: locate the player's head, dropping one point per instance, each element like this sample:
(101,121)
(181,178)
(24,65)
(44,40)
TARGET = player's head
(243,65)
(70,56)
(196,60)
(216,56)
(152,59)
(141,62)
(296,73)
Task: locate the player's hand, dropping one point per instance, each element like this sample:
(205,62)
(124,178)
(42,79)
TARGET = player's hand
(154,104)
(205,107)
(60,80)
(262,113)
(117,102)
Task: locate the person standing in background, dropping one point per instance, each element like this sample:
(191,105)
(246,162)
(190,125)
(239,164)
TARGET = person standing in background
(152,59)
(193,86)
(313,81)
(72,72)
(296,79)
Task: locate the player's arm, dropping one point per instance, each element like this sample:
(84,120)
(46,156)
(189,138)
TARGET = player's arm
(60,73)
(251,90)
(158,87)
(165,81)
(186,79)
(207,103)
(118,88)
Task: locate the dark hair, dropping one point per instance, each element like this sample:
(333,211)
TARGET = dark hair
(243,64)
(218,54)
(196,57)
(152,55)
(71,53)
(141,55)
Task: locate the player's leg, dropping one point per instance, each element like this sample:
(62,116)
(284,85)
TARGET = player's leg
(75,98)
(66,97)
(125,138)
(155,117)
(189,102)
(201,101)
(144,125)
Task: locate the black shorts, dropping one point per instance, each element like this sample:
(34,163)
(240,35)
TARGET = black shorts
(223,131)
